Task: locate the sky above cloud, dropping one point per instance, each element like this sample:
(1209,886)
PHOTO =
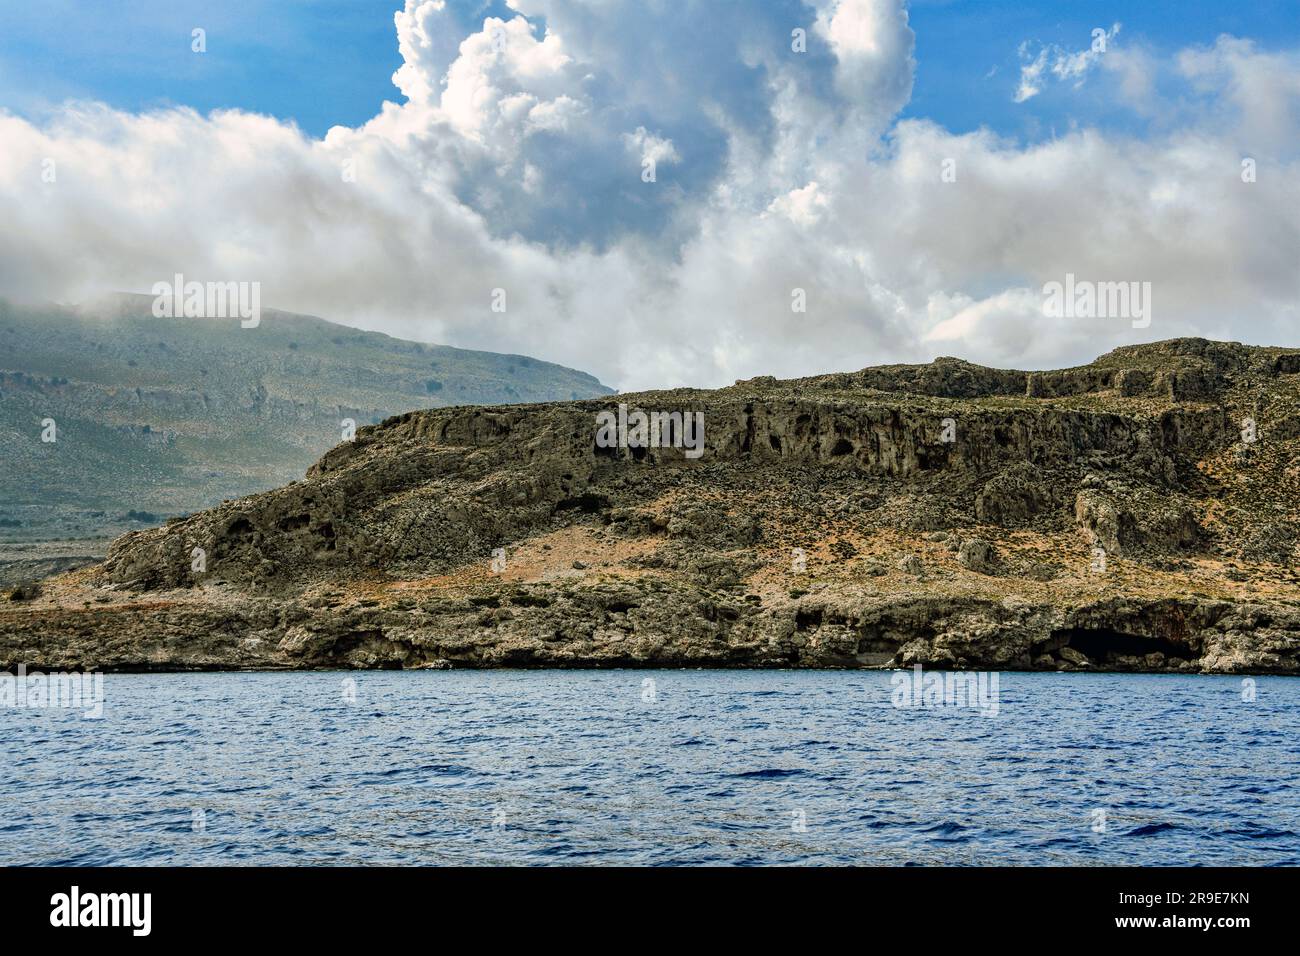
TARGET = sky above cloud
(511,153)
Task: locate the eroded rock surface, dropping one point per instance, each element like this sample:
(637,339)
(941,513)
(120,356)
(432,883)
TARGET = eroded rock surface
(1118,516)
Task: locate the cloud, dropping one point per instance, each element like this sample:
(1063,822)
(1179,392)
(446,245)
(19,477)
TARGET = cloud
(1031,76)
(872,44)
(1252,93)
(1065,65)
(649,148)
(1074,66)
(514,162)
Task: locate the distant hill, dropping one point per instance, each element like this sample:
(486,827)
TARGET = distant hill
(159,417)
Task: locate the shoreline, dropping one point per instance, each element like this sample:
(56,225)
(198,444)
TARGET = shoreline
(9,670)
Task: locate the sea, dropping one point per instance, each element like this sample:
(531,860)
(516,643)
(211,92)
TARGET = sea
(655,767)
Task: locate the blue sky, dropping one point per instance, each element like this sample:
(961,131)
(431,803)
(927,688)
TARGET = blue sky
(514,148)
(321,63)
(958,43)
(318,62)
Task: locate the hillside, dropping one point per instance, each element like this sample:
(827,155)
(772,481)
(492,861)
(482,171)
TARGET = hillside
(1118,515)
(159,417)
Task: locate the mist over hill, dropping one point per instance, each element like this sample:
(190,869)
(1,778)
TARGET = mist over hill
(158,417)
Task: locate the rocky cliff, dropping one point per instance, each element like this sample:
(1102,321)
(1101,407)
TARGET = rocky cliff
(1137,513)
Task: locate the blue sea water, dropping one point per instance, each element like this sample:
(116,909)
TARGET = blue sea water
(694,767)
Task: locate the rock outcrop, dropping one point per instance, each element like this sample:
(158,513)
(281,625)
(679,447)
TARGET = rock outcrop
(1138,513)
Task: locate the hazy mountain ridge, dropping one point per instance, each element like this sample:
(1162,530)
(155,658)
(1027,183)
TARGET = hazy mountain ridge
(166,416)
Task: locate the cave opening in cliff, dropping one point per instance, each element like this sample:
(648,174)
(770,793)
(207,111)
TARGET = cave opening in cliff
(1102,644)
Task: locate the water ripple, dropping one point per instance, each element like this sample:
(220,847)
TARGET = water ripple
(740,768)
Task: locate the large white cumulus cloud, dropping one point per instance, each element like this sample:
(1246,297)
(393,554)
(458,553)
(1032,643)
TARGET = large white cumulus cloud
(516,162)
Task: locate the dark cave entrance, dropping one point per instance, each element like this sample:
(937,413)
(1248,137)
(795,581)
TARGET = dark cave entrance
(1102,645)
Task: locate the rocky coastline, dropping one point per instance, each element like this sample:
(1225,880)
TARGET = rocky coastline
(1140,513)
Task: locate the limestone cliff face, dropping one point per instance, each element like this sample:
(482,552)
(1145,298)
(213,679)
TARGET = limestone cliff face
(1138,513)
